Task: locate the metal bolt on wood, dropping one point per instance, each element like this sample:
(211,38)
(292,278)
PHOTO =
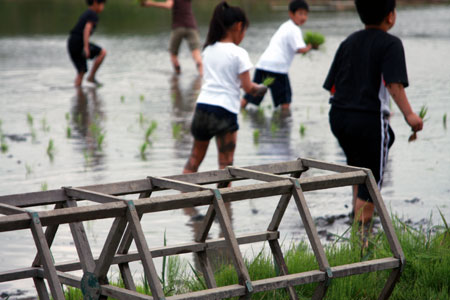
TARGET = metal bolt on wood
(277,179)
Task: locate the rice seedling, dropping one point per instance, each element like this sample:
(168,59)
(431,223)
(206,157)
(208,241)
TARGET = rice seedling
(51,149)
(87,157)
(142,98)
(100,138)
(176,130)
(45,126)
(44,186)
(444,120)
(79,119)
(28,168)
(98,135)
(268,81)
(30,119)
(67,116)
(68,132)
(122,99)
(302,130)
(256,136)
(141,119)
(274,128)
(314,38)
(142,150)
(423,112)
(3,145)
(150,130)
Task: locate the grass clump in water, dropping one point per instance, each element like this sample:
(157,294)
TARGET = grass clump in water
(51,149)
(256,135)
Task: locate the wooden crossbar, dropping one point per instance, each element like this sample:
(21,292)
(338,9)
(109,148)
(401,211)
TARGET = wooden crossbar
(127,228)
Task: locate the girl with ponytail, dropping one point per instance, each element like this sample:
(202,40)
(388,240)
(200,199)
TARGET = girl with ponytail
(226,70)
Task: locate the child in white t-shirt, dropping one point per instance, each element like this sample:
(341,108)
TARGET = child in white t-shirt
(276,60)
(226,69)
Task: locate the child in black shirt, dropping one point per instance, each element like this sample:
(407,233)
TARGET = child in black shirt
(79,46)
(368,66)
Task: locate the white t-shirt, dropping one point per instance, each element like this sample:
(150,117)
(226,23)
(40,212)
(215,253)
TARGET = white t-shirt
(282,48)
(222,64)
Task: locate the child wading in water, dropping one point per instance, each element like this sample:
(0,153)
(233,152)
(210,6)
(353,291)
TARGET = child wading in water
(226,69)
(79,47)
(368,66)
(277,58)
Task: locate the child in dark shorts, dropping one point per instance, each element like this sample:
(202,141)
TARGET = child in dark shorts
(226,69)
(79,47)
(368,66)
(277,58)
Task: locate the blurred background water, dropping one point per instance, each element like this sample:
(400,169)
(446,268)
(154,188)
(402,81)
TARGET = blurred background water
(36,78)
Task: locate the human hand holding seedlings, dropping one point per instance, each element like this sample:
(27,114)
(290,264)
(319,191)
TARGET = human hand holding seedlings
(259,90)
(397,92)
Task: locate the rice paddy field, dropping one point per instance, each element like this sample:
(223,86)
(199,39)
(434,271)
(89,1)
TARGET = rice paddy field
(137,123)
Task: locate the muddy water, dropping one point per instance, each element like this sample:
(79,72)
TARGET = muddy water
(139,87)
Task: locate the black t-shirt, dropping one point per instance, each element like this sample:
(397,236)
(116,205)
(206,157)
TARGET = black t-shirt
(364,64)
(88,16)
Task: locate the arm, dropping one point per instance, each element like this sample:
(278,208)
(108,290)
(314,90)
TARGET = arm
(168,4)
(305,49)
(86,34)
(250,87)
(397,92)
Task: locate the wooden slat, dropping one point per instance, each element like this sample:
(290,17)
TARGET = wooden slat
(365,267)
(169,202)
(6,209)
(230,239)
(144,252)
(207,270)
(255,175)
(143,185)
(317,164)
(390,284)
(384,216)
(279,260)
(69,279)
(81,242)
(156,252)
(41,288)
(109,249)
(310,228)
(81,194)
(44,253)
(166,183)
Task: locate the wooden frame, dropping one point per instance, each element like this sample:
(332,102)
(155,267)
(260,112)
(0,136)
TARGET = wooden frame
(127,228)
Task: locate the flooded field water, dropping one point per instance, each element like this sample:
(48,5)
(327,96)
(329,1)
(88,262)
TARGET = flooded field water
(38,104)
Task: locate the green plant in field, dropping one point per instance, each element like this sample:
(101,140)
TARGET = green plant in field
(51,149)
(30,119)
(141,119)
(142,150)
(3,145)
(68,132)
(67,116)
(98,135)
(314,38)
(122,98)
(423,112)
(28,168)
(268,81)
(444,120)
(45,126)
(44,186)
(142,98)
(176,130)
(274,128)
(302,129)
(79,119)
(256,136)
(150,130)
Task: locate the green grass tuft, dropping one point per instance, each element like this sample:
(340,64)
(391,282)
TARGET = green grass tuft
(314,38)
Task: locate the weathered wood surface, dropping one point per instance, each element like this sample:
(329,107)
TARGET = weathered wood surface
(115,249)
(192,199)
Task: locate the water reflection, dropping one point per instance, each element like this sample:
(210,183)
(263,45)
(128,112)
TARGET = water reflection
(87,121)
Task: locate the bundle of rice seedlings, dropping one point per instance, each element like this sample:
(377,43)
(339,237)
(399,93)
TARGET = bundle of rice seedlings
(314,38)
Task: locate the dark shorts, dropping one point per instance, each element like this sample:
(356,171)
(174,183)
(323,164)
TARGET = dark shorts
(75,48)
(365,139)
(210,121)
(280,89)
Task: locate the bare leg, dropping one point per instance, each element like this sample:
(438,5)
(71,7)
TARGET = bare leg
(98,61)
(226,144)
(363,211)
(175,63)
(196,55)
(79,79)
(285,106)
